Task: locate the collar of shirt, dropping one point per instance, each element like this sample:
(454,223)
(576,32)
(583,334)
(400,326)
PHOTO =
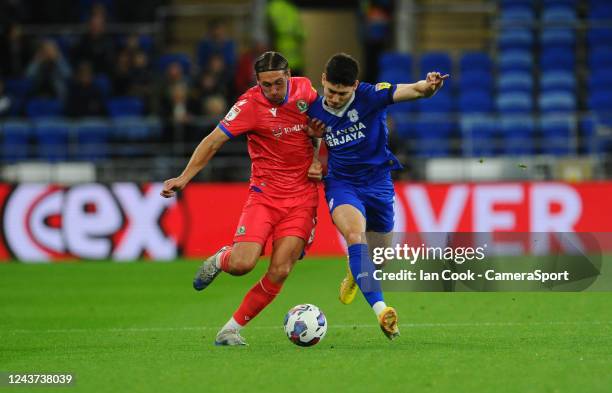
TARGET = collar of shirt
(340,111)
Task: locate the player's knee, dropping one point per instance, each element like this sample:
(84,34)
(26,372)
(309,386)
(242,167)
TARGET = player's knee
(353,237)
(241,264)
(279,273)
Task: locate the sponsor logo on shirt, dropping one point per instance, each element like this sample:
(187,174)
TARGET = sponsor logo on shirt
(280,131)
(382,85)
(273,111)
(345,135)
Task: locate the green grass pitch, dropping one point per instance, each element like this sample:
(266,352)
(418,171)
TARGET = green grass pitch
(140,327)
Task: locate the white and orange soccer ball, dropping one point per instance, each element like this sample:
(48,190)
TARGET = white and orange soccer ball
(305,325)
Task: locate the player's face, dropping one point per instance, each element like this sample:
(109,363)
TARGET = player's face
(336,96)
(274,85)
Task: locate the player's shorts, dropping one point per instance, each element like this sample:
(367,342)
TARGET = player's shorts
(374,200)
(264,217)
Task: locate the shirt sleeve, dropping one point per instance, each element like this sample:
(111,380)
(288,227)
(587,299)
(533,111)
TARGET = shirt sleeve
(239,119)
(379,95)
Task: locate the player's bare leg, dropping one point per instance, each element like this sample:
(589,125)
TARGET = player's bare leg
(351,223)
(237,260)
(285,254)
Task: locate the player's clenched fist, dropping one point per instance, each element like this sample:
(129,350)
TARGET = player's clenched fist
(171,186)
(316,128)
(315,172)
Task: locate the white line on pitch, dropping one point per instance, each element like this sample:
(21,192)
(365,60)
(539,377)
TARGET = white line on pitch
(334,326)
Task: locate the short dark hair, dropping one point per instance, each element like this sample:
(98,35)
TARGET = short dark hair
(341,69)
(271,61)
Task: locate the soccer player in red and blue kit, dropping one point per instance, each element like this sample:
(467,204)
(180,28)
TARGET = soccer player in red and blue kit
(351,117)
(283,196)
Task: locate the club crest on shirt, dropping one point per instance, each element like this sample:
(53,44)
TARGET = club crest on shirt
(301,105)
(241,230)
(353,115)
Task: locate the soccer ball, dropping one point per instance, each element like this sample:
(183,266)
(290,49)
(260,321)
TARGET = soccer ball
(305,325)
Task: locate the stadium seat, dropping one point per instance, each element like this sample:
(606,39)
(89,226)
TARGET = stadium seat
(182,58)
(515,60)
(479,136)
(558,80)
(435,61)
(405,107)
(125,106)
(559,14)
(15,137)
(518,135)
(395,61)
(555,3)
(52,139)
(38,108)
(18,87)
(600,58)
(476,101)
(128,133)
(103,83)
(600,79)
(558,59)
(403,126)
(600,100)
(514,103)
(558,37)
(515,38)
(516,14)
(475,62)
(442,102)
(599,37)
(600,10)
(557,101)
(479,80)
(558,135)
(509,82)
(395,76)
(432,136)
(92,139)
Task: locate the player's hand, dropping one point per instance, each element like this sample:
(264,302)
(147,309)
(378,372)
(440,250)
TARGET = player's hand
(435,81)
(171,186)
(315,172)
(316,128)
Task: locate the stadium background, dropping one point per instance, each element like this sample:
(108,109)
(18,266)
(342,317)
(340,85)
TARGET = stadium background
(100,101)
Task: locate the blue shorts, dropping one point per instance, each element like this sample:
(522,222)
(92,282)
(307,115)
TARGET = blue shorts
(374,200)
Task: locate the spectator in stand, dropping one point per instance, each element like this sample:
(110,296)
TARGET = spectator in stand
(142,79)
(5,102)
(217,43)
(176,114)
(48,72)
(84,97)
(123,75)
(15,51)
(174,75)
(244,77)
(97,46)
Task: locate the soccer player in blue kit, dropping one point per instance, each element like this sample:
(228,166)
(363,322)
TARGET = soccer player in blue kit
(351,118)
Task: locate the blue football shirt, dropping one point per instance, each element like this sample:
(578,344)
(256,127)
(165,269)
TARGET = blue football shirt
(357,134)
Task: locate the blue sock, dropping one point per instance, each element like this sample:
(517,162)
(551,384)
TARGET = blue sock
(362,268)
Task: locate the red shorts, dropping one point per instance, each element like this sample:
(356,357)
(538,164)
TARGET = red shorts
(264,216)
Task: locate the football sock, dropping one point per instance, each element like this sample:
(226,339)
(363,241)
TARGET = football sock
(232,324)
(256,300)
(379,307)
(362,269)
(222,260)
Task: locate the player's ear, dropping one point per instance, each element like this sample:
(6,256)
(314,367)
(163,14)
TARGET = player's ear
(356,84)
(323,78)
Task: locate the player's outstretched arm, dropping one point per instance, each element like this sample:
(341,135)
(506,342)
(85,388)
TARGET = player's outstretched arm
(200,157)
(421,89)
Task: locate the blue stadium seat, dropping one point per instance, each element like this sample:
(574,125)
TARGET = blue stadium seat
(475,62)
(479,80)
(600,101)
(401,108)
(395,61)
(600,79)
(600,59)
(476,101)
(395,76)
(442,102)
(558,80)
(15,141)
(515,38)
(479,136)
(403,125)
(559,14)
(92,138)
(600,10)
(554,3)
(558,135)
(103,83)
(516,14)
(18,87)
(131,132)
(435,61)
(518,135)
(516,81)
(52,139)
(125,106)
(557,101)
(515,60)
(433,136)
(182,58)
(599,37)
(558,37)
(507,4)
(38,108)
(514,103)
(558,59)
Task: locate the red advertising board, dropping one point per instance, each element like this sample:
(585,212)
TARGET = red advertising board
(126,221)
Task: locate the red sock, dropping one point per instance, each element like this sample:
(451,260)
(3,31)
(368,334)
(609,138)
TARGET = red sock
(256,300)
(224,259)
